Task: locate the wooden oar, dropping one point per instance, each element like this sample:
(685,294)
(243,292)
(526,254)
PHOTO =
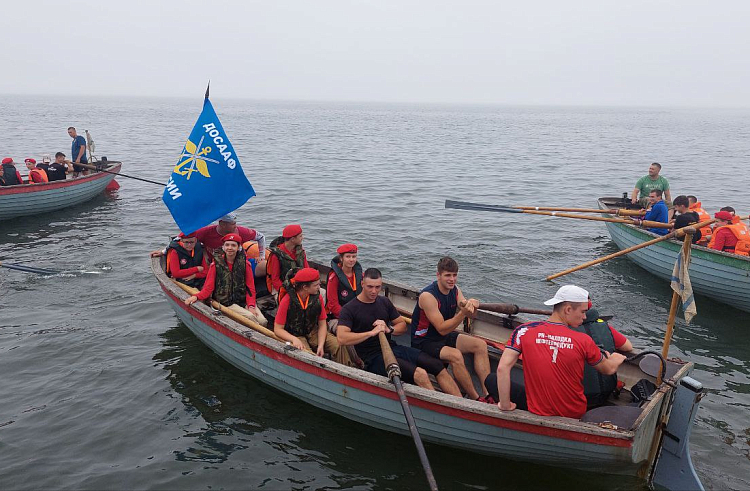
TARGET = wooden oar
(463,205)
(394,374)
(95,168)
(28,269)
(511,309)
(231,313)
(676,234)
(611,211)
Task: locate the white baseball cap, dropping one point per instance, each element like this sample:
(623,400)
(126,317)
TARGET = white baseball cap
(569,293)
(229,217)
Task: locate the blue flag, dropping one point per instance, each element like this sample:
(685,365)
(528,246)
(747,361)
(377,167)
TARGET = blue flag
(208,181)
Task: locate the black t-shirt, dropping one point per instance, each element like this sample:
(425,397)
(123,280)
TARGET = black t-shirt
(685,219)
(359,317)
(56,172)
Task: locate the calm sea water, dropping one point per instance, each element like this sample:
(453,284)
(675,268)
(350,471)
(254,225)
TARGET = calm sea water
(102,387)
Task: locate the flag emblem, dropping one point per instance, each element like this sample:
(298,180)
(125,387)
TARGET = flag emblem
(194,156)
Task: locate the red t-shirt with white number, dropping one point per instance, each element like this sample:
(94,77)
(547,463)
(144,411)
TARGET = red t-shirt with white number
(553,358)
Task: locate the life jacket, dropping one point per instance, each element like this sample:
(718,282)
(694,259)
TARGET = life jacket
(736,219)
(230,286)
(596,386)
(187,259)
(345,290)
(9,175)
(743,239)
(285,260)
(702,217)
(299,321)
(40,174)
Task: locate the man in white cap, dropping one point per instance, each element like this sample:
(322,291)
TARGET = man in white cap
(553,358)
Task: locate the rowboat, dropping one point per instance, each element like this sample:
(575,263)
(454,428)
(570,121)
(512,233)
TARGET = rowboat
(629,447)
(719,275)
(30,199)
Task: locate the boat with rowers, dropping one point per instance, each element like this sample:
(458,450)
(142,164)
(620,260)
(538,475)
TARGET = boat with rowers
(618,438)
(30,199)
(722,276)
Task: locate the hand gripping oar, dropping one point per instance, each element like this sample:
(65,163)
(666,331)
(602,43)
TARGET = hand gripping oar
(28,269)
(394,374)
(511,309)
(95,168)
(464,205)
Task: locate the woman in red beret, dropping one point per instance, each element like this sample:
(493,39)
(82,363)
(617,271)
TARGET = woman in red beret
(285,256)
(344,280)
(10,175)
(230,281)
(728,236)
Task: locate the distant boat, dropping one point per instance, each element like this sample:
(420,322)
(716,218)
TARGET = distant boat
(723,276)
(594,442)
(30,199)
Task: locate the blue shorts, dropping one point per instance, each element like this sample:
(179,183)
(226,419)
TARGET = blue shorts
(408,360)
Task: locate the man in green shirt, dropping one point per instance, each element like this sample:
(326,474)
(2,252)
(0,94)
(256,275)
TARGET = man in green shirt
(648,183)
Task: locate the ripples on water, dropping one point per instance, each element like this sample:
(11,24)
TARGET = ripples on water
(104,388)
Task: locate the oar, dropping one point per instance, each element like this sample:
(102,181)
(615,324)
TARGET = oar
(676,234)
(93,167)
(28,269)
(463,205)
(611,211)
(511,309)
(394,374)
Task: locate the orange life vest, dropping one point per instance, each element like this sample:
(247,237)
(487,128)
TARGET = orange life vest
(743,238)
(736,220)
(702,217)
(40,174)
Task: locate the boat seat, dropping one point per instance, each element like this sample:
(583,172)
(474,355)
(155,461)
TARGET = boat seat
(621,416)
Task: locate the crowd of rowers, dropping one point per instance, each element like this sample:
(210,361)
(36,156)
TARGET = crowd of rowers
(565,371)
(728,234)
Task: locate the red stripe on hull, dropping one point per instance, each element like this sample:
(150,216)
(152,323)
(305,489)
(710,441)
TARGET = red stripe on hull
(19,189)
(458,413)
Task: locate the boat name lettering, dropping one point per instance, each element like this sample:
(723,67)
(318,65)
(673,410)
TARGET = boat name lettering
(210,128)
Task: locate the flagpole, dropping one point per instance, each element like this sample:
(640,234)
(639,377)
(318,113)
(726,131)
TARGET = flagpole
(685,253)
(208,87)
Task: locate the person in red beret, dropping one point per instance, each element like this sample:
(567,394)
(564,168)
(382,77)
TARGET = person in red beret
(728,236)
(186,261)
(286,253)
(10,175)
(230,281)
(345,279)
(301,317)
(36,176)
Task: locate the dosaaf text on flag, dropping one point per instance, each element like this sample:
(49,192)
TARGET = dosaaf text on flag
(208,181)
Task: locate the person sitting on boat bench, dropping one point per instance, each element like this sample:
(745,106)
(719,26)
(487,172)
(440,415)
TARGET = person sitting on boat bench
(369,313)
(729,237)
(434,323)
(344,281)
(211,236)
(685,217)
(648,183)
(301,317)
(58,170)
(36,176)
(286,253)
(735,218)
(10,175)
(230,281)
(658,212)
(553,358)
(697,207)
(186,261)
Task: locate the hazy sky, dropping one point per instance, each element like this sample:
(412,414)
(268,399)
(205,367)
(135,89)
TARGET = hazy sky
(688,53)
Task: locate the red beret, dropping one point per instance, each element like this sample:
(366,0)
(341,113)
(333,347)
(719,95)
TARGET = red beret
(30,161)
(306,275)
(291,231)
(188,236)
(7,160)
(347,248)
(234,237)
(723,215)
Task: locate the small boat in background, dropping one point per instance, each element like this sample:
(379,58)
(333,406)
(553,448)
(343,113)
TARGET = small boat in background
(722,276)
(29,199)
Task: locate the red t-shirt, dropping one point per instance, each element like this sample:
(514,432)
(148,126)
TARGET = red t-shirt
(284,308)
(208,286)
(553,358)
(273,268)
(211,240)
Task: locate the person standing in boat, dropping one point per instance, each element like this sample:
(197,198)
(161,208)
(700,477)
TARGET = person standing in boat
(301,317)
(434,323)
(658,212)
(554,355)
(36,176)
(186,261)
(78,152)
(10,175)
(286,253)
(345,279)
(648,183)
(230,281)
(368,314)
(684,217)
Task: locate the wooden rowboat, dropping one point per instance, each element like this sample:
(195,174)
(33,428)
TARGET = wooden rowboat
(592,443)
(719,275)
(30,199)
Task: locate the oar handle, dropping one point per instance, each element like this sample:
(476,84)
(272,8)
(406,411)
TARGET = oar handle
(511,309)
(391,365)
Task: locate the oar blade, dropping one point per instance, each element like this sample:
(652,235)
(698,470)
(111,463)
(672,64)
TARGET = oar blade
(465,205)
